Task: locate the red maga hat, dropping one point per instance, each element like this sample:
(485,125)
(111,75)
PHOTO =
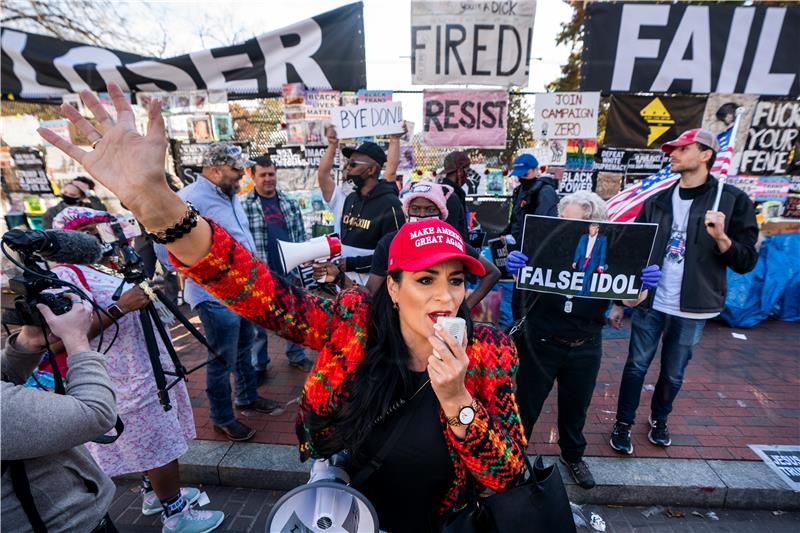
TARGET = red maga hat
(424,243)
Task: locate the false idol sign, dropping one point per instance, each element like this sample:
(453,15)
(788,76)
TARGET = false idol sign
(585,258)
(481,43)
(325,52)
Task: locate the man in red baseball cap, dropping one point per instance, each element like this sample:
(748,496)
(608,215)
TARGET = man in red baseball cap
(694,245)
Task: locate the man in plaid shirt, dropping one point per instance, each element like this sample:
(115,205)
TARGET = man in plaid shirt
(273,217)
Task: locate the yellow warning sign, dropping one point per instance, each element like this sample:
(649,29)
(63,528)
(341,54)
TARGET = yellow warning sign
(657,118)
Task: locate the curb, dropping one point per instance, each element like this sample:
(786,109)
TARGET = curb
(620,481)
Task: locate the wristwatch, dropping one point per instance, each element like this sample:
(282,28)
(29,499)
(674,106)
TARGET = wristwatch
(115,311)
(465,415)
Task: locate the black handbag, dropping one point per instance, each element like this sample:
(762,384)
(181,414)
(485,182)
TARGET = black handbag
(540,503)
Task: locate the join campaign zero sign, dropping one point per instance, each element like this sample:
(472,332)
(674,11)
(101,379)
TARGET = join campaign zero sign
(681,47)
(325,51)
(465,117)
(483,43)
(585,258)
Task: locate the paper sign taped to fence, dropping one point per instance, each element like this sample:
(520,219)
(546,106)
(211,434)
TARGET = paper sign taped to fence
(366,120)
(585,258)
(484,43)
(566,115)
(467,117)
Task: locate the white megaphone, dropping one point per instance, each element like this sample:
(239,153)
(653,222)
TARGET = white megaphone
(326,504)
(294,254)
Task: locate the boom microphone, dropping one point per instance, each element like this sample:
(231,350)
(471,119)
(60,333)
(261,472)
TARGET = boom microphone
(58,245)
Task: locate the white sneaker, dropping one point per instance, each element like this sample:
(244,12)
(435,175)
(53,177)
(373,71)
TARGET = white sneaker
(191,520)
(152,505)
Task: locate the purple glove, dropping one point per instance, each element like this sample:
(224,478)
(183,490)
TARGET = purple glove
(515,261)
(651,274)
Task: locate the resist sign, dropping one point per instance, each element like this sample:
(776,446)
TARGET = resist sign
(465,118)
(366,120)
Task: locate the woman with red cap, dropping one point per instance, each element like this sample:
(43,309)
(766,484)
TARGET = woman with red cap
(382,360)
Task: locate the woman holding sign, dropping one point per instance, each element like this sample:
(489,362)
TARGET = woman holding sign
(383,361)
(563,342)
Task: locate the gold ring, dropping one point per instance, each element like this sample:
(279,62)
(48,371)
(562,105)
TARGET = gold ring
(94,144)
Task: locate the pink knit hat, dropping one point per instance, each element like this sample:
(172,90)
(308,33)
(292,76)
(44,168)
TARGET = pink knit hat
(435,192)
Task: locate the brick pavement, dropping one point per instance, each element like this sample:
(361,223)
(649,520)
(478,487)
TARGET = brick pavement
(736,392)
(248,509)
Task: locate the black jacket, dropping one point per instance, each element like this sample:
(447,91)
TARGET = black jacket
(457,208)
(703,287)
(366,219)
(531,197)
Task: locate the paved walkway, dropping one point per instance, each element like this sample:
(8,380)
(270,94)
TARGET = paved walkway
(737,392)
(248,509)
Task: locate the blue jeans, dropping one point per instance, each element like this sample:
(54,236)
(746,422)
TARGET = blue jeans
(680,335)
(506,289)
(260,357)
(231,336)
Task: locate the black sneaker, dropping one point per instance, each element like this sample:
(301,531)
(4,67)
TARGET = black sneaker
(262,405)
(659,434)
(262,376)
(304,366)
(236,431)
(621,438)
(580,473)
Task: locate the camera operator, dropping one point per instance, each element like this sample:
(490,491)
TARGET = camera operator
(44,432)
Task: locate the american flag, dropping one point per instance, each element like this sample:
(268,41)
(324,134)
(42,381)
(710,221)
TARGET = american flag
(624,206)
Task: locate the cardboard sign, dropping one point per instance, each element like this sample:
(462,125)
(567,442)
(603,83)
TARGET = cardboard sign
(466,117)
(573,180)
(585,258)
(365,120)
(483,43)
(566,115)
(783,460)
(772,136)
(682,47)
(30,173)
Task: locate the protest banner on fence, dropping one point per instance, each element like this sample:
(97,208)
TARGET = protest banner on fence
(791,208)
(720,114)
(772,135)
(365,120)
(287,157)
(548,152)
(683,47)
(585,258)
(566,115)
(573,180)
(30,170)
(465,117)
(771,188)
(483,43)
(313,156)
(580,153)
(650,121)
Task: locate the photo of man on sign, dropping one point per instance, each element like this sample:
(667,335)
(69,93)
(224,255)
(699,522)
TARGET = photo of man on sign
(590,256)
(589,259)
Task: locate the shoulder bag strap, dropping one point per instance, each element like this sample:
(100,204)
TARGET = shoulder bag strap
(22,488)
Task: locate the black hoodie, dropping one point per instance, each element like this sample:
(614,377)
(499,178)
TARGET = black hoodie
(366,219)
(531,197)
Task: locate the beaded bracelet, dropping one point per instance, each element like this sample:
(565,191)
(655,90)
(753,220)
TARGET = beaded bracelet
(179,229)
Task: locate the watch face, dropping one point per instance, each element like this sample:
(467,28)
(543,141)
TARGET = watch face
(466,415)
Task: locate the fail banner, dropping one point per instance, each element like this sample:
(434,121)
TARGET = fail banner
(566,115)
(483,43)
(324,52)
(467,117)
(683,47)
(585,258)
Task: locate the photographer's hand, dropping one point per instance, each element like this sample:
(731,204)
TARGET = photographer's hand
(73,326)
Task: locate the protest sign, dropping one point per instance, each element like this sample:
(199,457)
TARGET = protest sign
(607,184)
(580,153)
(573,180)
(365,120)
(650,121)
(483,43)
(325,51)
(771,188)
(369,96)
(630,162)
(188,157)
(319,104)
(791,208)
(491,212)
(720,114)
(465,117)
(287,157)
(499,251)
(771,137)
(794,182)
(566,115)
(29,170)
(784,460)
(748,184)
(683,47)
(313,156)
(548,151)
(585,258)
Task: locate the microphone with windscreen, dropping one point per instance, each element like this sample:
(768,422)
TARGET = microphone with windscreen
(58,245)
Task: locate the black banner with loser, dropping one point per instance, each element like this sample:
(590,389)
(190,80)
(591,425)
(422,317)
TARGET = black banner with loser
(585,258)
(650,121)
(323,52)
(684,47)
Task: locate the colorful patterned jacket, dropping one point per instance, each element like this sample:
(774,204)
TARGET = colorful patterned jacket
(494,444)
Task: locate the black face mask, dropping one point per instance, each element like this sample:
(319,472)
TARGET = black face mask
(70,200)
(356,180)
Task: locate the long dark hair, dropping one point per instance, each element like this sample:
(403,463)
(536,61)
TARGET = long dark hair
(382,378)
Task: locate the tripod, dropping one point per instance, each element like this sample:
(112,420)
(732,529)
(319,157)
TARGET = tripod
(132,272)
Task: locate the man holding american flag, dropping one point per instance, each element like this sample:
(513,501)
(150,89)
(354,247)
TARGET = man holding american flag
(694,245)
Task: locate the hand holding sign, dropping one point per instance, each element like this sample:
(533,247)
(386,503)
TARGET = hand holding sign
(515,261)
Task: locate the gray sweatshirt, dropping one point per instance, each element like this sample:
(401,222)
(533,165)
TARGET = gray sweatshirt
(48,430)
